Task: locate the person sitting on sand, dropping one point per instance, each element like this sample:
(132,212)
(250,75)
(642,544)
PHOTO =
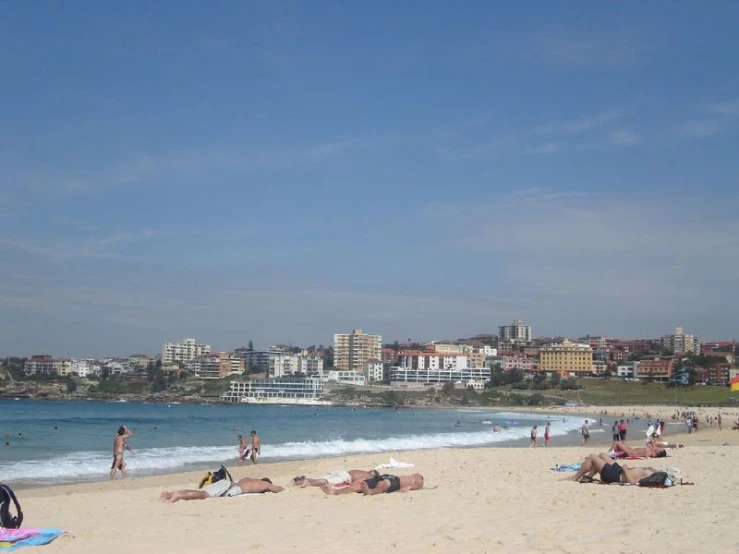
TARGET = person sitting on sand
(657,443)
(219,489)
(648,451)
(380,484)
(335,478)
(610,471)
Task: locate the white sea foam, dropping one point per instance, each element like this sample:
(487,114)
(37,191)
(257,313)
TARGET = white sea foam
(88,465)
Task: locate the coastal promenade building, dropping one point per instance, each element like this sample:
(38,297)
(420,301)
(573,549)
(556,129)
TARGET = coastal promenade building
(352,350)
(420,359)
(215,365)
(680,343)
(399,375)
(516,332)
(567,357)
(183,351)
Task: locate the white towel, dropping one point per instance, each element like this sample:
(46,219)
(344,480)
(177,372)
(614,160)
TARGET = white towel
(394,463)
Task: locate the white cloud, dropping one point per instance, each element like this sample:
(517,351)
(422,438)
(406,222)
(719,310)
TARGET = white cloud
(729,107)
(580,125)
(624,137)
(548,148)
(697,129)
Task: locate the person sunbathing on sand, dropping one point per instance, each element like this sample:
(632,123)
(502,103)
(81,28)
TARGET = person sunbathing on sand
(335,478)
(610,471)
(222,488)
(656,443)
(379,485)
(648,451)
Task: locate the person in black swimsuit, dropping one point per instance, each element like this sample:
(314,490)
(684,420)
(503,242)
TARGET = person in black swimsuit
(380,484)
(610,471)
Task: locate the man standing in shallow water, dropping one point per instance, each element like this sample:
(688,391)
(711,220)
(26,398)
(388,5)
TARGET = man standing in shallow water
(119,445)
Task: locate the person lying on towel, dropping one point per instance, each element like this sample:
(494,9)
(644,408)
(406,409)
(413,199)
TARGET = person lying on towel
(222,488)
(610,471)
(648,451)
(335,478)
(379,485)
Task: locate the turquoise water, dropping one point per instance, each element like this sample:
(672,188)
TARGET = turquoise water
(180,437)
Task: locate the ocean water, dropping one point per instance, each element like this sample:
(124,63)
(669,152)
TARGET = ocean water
(182,437)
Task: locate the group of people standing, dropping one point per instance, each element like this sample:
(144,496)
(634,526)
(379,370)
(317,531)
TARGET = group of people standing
(247,450)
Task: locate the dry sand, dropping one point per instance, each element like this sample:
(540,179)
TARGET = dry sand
(478,500)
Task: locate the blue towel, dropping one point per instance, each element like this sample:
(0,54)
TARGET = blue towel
(45,536)
(567,467)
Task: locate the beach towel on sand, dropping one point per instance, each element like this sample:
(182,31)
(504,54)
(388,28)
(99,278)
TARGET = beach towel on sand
(393,463)
(566,467)
(13,539)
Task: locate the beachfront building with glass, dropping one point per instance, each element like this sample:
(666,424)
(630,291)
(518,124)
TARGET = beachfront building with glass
(276,388)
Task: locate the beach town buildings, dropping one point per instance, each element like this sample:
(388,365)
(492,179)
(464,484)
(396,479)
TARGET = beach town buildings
(403,375)
(519,361)
(656,370)
(352,350)
(421,359)
(183,351)
(374,370)
(45,364)
(516,332)
(567,357)
(679,342)
(215,365)
(627,370)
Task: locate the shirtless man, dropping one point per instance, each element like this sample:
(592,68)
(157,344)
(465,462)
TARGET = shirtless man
(648,451)
(610,471)
(243,448)
(256,445)
(222,488)
(335,478)
(119,445)
(379,484)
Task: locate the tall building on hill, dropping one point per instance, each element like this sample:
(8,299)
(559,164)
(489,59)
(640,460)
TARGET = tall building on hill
(680,342)
(352,350)
(515,332)
(183,351)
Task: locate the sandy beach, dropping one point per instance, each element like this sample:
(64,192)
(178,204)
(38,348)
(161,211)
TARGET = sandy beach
(476,500)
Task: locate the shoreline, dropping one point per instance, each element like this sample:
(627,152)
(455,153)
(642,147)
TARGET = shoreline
(475,500)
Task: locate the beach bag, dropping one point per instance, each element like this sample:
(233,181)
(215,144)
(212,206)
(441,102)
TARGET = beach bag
(6,519)
(659,479)
(215,476)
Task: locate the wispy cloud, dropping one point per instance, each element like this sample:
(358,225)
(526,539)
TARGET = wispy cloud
(580,125)
(548,148)
(697,129)
(624,137)
(729,107)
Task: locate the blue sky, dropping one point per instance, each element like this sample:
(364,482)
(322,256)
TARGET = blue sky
(283,171)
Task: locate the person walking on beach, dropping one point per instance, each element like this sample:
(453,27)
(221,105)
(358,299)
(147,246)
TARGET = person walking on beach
(533,437)
(622,430)
(585,432)
(256,446)
(719,421)
(119,445)
(243,448)
(547,434)
(614,432)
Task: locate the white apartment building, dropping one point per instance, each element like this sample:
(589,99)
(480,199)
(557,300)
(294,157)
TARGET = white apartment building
(183,351)
(41,364)
(85,368)
(489,351)
(515,332)
(627,371)
(310,364)
(282,387)
(435,376)
(415,359)
(374,370)
(281,364)
(344,377)
(119,367)
(352,350)
(680,342)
